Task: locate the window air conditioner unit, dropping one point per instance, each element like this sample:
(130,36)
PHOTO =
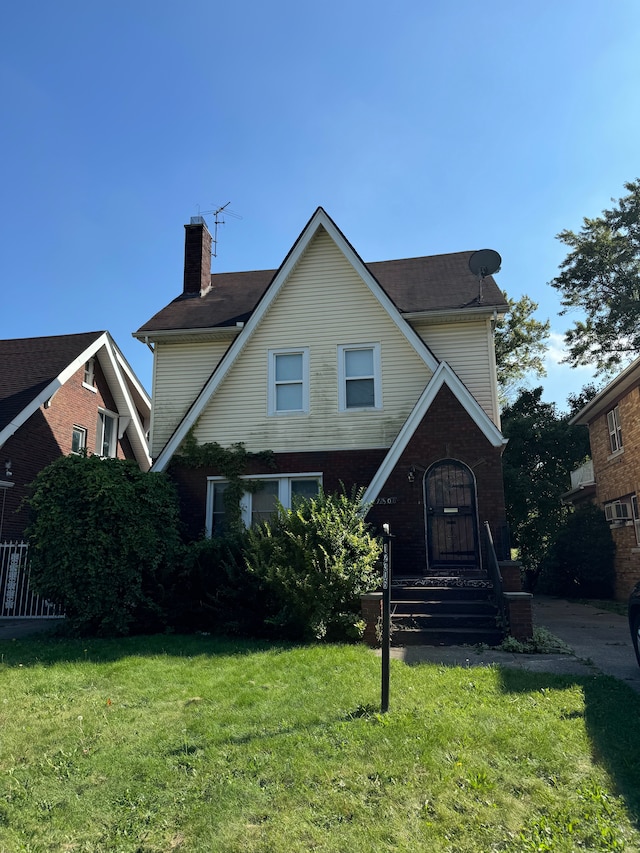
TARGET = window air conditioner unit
(617,512)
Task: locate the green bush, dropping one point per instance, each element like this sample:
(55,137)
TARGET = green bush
(214,592)
(314,561)
(103,541)
(579,563)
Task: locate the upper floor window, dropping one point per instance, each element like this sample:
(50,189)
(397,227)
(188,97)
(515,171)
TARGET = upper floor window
(106,435)
(288,381)
(78,439)
(615,430)
(359,377)
(89,374)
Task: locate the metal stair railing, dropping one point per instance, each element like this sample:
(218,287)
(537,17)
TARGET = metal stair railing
(495,576)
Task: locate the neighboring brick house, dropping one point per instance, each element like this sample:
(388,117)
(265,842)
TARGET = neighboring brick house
(612,477)
(379,375)
(59,395)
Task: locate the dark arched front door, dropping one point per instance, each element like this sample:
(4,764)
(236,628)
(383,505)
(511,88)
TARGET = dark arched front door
(452,523)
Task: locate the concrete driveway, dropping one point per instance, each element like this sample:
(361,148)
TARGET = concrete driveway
(599,641)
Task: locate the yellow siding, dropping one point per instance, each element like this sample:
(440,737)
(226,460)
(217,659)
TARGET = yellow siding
(180,371)
(468,349)
(323,304)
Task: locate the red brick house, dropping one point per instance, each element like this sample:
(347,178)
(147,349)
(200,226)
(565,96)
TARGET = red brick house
(612,477)
(379,375)
(59,395)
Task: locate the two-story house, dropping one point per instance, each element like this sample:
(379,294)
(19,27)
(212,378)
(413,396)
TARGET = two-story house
(59,395)
(612,476)
(380,375)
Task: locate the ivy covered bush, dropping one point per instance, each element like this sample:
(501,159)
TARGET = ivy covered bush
(313,562)
(579,563)
(104,541)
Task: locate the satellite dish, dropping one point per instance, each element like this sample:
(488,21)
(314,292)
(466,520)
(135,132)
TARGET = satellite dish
(484,262)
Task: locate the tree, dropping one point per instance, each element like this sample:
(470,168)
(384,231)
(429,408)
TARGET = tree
(601,277)
(103,542)
(520,343)
(542,451)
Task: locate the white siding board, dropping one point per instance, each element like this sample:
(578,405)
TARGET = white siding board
(468,349)
(180,371)
(323,304)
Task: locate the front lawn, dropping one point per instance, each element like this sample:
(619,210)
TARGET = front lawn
(147,745)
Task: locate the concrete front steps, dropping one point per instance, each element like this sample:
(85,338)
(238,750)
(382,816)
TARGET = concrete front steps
(444,611)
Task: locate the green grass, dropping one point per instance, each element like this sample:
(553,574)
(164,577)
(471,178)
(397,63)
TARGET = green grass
(192,744)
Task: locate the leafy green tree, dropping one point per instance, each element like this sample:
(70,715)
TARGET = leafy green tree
(542,451)
(314,561)
(520,344)
(103,541)
(601,277)
(580,561)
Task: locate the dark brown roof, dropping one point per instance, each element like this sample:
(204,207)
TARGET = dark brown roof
(28,365)
(430,283)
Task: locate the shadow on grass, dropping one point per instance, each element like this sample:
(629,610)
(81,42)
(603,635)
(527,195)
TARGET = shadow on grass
(49,648)
(611,712)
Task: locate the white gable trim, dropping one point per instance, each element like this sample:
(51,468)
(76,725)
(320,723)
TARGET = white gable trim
(320,219)
(51,388)
(119,390)
(444,375)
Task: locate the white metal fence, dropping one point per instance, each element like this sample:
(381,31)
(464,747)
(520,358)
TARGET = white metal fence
(17,600)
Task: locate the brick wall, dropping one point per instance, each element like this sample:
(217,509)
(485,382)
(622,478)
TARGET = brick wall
(446,431)
(46,435)
(618,475)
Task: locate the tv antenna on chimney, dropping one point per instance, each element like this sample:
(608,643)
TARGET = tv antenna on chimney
(219,219)
(483,263)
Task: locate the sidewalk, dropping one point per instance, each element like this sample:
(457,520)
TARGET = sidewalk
(600,643)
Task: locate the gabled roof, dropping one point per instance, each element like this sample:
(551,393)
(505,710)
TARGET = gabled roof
(606,399)
(33,369)
(319,220)
(444,375)
(434,283)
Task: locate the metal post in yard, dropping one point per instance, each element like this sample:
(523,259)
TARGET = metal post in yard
(386,617)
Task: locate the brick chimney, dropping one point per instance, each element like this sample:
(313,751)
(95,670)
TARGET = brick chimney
(197,258)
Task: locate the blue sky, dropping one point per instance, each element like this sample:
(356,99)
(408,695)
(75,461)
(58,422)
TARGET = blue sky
(422,127)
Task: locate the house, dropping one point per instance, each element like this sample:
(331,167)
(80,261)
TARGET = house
(59,395)
(612,477)
(380,375)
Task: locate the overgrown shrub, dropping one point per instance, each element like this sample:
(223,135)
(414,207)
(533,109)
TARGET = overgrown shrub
(579,563)
(214,592)
(314,561)
(103,541)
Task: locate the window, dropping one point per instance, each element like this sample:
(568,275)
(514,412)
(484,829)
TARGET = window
(615,430)
(359,377)
(288,381)
(259,505)
(78,439)
(106,440)
(89,374)
(619,510)
(636,517)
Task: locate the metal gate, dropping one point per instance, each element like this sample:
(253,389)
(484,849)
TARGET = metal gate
(452,524)
(17,600)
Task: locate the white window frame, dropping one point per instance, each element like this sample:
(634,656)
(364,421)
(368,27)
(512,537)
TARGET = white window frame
(273,383)
(619,510)
(636,517)
(615,430)
(89,376)
(343,378)
(246,507)
(102,413)
(82,432)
